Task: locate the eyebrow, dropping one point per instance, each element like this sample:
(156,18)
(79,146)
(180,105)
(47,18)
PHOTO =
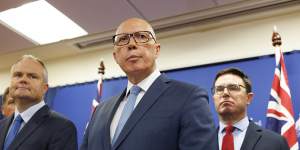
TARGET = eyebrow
(27,73)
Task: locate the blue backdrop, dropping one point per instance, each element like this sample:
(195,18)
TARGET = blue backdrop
(75,101)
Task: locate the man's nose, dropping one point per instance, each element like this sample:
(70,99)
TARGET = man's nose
(131,40)
(132,43)
(226,91)
(23,79)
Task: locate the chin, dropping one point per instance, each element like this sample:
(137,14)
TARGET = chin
(226,111)
(24,97)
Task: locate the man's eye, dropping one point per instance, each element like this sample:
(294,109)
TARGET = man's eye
(220,88)
(33,77)
(18,75)
(233,87)
(121,39)
(144,36)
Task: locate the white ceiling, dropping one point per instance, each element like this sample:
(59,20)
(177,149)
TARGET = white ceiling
(100,17)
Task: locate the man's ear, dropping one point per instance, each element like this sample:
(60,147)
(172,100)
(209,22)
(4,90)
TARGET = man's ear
(157,50)
(115,57)
(45,87)
(250,97)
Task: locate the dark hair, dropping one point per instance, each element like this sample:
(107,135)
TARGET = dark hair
(237,72)
(4,96)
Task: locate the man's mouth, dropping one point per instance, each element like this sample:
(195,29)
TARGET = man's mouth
(22,88)
(133,57)
(226,103)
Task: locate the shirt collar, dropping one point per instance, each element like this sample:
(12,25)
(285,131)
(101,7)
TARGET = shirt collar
(28,113)
(240,125)
(147,82)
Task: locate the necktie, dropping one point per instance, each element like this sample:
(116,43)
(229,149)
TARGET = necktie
(227,143)
(13,131)
(128,109)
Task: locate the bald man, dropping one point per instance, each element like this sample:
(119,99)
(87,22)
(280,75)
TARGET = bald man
(163,115)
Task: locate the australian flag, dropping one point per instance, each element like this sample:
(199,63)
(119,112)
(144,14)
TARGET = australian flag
(280,114)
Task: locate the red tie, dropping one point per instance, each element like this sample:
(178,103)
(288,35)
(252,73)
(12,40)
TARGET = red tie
(227,143)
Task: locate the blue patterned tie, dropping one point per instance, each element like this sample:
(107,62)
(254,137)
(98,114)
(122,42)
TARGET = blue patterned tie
(13,131)
(128,109)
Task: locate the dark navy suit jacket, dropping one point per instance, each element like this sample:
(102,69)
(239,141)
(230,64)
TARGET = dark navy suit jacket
(1,116)
(258,138)
(46,130)
(171,116)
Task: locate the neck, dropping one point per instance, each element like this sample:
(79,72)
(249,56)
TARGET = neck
(23,105)
(137,77)
(231,119)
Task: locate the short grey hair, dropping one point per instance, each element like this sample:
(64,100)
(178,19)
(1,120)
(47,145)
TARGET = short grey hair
(45,72)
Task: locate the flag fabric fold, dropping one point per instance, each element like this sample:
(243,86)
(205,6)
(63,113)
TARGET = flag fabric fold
(280,114)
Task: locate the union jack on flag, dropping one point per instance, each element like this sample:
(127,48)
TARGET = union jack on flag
(280,114)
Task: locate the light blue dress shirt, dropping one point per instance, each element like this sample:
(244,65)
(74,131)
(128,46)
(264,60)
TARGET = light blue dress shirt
(238,134)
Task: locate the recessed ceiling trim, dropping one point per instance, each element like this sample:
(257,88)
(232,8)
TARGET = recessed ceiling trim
(195,18)
(136,9)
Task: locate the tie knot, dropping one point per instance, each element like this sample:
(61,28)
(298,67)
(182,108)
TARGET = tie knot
(19,119)
(229,129)
(135,90)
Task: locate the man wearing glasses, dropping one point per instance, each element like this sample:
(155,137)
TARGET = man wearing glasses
(232,93)
(153,112)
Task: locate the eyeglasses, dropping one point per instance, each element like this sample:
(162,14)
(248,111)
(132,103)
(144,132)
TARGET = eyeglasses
(230,87)
(139,37)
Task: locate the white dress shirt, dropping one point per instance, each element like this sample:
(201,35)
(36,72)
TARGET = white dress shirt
(238,134)
(27,114)
(144,85)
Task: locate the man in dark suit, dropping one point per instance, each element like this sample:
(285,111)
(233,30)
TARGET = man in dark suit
(164,115)
(232,93)
(33,126)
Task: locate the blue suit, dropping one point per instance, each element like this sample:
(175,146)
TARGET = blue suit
(258,138)
(46,130)
(171,116)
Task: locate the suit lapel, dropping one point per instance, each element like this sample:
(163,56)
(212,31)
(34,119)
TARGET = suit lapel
(112,110)
(215,140)
(252,136)
(37,119)
(4,129)
(150,97)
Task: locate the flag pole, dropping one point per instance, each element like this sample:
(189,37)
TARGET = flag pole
(276,42)
(101,72)
(96,101)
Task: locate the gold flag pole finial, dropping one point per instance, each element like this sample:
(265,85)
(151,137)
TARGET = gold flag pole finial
(101,68)
(276,38)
